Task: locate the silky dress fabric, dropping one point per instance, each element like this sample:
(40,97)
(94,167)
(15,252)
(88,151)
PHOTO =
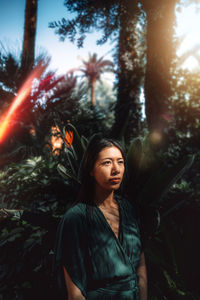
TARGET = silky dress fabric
(100,264)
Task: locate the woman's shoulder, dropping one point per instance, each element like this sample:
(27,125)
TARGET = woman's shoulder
(76,213)
(127,204)
(124,200)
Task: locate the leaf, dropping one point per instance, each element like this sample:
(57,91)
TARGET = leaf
(71,160)
(29,243)
(65,174)
(26,285)
(13,237)
(84,142)
(171,209)
(161,181)
(38,268)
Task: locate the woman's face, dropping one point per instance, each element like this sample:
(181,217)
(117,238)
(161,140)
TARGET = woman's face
(108,169)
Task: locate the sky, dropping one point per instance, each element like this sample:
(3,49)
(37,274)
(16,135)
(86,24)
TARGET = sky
(188,21)
(65,55)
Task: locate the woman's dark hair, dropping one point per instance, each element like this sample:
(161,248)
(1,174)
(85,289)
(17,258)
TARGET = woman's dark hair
(95,146)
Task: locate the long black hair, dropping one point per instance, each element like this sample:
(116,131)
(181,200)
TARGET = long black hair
(95,146)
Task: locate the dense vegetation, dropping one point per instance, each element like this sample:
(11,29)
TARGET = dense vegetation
(42,152)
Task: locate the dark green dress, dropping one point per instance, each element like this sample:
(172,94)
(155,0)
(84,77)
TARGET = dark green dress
(100,264)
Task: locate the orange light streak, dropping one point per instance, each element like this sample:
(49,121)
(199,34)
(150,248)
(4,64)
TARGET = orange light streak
(20,98)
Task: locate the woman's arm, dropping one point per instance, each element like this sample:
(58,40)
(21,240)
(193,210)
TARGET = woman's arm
(73,291)
(142,274)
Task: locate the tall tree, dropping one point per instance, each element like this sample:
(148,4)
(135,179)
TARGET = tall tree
(28,52)
(130,71)
(92,69)
(117,20)
(13,69)
(160,17)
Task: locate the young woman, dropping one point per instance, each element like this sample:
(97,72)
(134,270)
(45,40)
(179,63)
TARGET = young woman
(98,249)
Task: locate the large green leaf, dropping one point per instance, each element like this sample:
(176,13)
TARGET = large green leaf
(162,180)
(84,142)
(65,173)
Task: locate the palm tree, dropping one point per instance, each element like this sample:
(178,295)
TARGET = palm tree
(92,69)
(14,69)
(28,52)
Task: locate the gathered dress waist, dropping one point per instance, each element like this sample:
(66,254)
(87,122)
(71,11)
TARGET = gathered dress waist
(124,289)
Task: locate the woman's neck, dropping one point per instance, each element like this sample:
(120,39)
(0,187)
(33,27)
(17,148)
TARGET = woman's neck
(104,198)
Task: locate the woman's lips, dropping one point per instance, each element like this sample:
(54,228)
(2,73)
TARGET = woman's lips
(115,180)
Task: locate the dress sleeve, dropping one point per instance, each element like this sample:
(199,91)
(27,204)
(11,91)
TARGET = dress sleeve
(70,250)
(138,217)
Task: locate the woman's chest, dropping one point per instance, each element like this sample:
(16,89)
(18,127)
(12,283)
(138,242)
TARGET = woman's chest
(112,218)
(107,251)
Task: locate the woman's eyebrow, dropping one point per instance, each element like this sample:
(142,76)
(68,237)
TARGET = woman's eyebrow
(111,158)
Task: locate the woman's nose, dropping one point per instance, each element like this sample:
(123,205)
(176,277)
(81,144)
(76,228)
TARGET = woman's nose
(115,168)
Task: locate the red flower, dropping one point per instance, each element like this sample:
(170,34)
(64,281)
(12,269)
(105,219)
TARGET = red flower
(69,137)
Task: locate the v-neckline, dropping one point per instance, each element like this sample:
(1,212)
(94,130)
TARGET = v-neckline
(108,225)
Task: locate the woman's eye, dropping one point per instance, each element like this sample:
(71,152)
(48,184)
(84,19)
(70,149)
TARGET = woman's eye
(106,162)
(121,162)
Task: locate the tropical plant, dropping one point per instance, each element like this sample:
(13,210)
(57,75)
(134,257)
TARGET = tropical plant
(33,234)
(74,152)
(34,196)
(150,179)
(15,68)
(93,69)
(28,52)
(26,259)
(32,181)
(120,20)
(52,97)
(9,78)
(151,184)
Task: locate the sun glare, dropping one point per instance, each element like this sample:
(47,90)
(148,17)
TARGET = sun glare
(188,24)
(19,99)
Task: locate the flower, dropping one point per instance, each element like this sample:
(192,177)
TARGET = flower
(69,137)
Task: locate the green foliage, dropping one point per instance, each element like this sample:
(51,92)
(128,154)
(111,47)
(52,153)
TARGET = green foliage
(29,241)
(26,257)
(9,69)
(87,14)
(186,109)
(151,183)
(94,67)
(149,174)
(119,20)
(161,184)
(34,180)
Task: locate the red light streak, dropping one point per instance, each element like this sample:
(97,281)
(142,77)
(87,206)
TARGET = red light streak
(20,98)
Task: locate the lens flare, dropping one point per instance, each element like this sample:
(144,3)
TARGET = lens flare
(155,137)
(20,98)
(167,117)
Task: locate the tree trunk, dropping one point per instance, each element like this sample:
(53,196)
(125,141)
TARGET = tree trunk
(92,88)
(160,16)
(28,52)
(130,71)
